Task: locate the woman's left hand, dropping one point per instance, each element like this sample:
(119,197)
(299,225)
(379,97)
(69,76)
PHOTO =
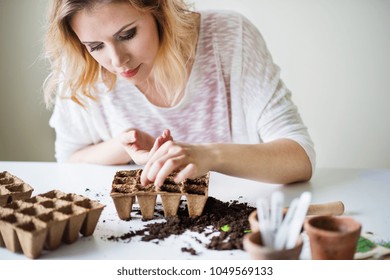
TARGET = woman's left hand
(190,160)
(140,145)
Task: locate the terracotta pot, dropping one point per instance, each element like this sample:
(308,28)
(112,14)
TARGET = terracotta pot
(332,238)
(253,221)
(253,245)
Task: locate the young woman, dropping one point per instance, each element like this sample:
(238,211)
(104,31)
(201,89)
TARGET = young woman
(152,82)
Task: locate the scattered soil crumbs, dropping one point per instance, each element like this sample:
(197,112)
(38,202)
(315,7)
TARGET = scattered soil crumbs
(216,214)
(189,250)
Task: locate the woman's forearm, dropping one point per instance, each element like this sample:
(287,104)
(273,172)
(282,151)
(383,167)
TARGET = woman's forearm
(282,161)
(110,152)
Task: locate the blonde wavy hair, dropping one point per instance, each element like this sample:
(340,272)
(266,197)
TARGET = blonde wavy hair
(77,71)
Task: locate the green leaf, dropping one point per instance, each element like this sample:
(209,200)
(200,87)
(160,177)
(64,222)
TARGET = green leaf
(247,231)
(364,245)
(225,228)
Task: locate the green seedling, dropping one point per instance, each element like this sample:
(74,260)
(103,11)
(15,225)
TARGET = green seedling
(225,228)
(385,244)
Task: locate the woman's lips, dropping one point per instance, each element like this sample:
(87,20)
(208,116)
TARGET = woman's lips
(130,73)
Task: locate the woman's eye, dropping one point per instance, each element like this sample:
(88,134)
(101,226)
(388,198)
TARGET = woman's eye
(95,48)
(128,35)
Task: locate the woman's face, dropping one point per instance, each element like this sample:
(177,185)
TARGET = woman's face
(120,38)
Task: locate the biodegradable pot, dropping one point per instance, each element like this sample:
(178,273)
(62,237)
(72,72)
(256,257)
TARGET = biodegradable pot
(253,245)
(195,204)
(32,236)
(170,202)
(332,238)
(55,223)
(123,204)
(94,210)
(4,212)
(75,219)
(147,202)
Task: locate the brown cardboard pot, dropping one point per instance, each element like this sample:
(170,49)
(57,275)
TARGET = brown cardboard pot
(332,238)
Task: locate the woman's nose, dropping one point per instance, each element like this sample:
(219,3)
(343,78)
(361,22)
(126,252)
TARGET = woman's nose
(119,57)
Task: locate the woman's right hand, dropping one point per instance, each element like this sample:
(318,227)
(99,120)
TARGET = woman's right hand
(140,145)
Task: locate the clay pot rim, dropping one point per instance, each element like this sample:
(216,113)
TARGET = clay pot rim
(249,236)
(253,215)
(309,227)
(253,247)
(254,222)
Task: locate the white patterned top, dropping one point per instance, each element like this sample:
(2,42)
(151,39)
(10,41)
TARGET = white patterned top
(234,94)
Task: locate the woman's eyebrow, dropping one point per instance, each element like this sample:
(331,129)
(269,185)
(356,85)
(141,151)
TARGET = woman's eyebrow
(124,27)
(115,35)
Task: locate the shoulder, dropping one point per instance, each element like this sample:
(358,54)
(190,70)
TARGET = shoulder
(223,16)
(229,30)
(220,21)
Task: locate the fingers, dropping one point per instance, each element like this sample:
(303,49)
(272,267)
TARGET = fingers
(129,141)
(165,166)
(157,144)
(128,137)
(167,135)
(189,171)
(169,158)
(157,154)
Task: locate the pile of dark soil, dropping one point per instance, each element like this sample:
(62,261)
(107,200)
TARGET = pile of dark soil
(230,219)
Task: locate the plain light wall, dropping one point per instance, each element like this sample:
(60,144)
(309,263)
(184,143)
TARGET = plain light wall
(24,131)
(334,56)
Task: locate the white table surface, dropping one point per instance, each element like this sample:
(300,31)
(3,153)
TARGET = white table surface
(364,192)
